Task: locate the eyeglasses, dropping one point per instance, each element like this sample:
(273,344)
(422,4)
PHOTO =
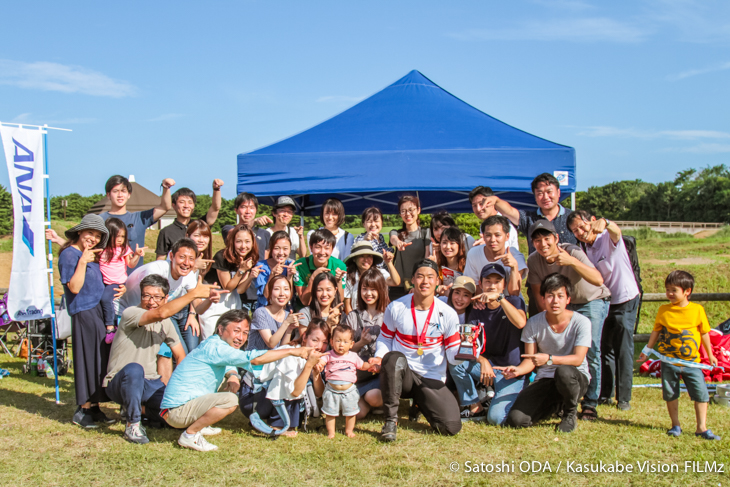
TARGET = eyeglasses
(150,297)
(410,211)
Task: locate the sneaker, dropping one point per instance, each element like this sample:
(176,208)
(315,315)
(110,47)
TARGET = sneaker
(707,435)
(468,415)
(99,417)
(623,405)
(569,421)
(588,414)
(674,431)
(135,433)
(196,442)
(390,428)
(210,431)
(83,418)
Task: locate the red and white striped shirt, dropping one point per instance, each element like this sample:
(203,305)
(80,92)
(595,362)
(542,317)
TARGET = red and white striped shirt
(398,334)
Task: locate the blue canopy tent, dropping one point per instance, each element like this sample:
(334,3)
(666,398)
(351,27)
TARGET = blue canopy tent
(411,137)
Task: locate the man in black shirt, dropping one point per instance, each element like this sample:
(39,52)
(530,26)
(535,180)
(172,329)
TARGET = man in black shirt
(183,202)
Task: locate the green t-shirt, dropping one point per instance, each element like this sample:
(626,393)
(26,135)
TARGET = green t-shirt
(307,267)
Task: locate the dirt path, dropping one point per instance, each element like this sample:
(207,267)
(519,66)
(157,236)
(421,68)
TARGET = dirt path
(685,261)
(6,261)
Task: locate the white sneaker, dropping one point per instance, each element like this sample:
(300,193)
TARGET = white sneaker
(210,431)
(197,442)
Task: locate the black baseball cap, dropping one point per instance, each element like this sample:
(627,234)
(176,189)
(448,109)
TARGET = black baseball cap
(541,225)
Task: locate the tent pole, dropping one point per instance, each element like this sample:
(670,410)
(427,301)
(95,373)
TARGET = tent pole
(572,202)
(50,260)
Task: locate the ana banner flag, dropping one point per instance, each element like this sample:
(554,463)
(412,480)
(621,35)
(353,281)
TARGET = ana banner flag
(28,297)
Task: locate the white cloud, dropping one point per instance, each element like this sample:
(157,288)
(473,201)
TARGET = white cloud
(165,117)
(49,76)
(604,131)
(695,72)
(340,99)
(589,29)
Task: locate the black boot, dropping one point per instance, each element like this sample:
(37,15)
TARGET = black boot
(390,428)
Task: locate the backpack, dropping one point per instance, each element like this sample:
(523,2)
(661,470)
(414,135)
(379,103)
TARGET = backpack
(630,244)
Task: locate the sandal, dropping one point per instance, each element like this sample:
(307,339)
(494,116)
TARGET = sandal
(588,414)
(708,435)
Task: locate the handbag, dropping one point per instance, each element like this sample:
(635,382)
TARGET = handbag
(63,321)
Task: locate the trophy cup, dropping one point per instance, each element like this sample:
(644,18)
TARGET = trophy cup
(470,342)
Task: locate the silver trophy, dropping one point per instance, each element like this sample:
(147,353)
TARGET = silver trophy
(466,348)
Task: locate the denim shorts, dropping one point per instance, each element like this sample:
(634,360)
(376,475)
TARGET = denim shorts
(367,386)
(334,401)
(693,378)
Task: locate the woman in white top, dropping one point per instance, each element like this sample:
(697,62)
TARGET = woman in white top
(450,257)
(283,212)
(333,216)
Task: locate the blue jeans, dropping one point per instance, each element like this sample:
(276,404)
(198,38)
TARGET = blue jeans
(188,340)
(596,311)
(467,374)
(130,389)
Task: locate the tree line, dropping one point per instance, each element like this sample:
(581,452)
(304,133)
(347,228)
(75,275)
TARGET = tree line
(693,196)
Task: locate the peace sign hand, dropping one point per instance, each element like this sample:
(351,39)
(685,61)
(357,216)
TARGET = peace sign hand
(246,265)
(202,264)
(140,251)
(89,255)
(256,271)
(388,257)
(508,260)
(563,258)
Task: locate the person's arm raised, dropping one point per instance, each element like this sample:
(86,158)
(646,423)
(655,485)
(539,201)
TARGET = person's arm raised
(301,382)
(77,280)
(590,274)
(512,213)
(165,200)
(215,206)
(201,291)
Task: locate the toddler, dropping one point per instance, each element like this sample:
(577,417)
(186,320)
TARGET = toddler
(340,369)
(113,263)
(679,330)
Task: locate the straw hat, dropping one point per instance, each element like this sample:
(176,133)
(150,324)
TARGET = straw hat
(89,222)
(364,248)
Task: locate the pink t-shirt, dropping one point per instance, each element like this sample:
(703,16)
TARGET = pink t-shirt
(115,271)
(341,367)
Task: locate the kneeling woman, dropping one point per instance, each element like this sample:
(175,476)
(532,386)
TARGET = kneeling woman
(292,391)
(501,347)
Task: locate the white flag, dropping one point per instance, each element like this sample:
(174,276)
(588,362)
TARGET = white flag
(28,297)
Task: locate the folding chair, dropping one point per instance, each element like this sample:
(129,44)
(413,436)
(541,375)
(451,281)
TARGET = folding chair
(5,322)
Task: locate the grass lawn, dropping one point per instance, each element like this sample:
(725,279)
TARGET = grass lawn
(40,446)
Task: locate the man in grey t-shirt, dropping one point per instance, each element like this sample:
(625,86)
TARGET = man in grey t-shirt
(556,342)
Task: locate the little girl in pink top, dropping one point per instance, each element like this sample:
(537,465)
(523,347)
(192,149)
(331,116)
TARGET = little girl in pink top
(340,370)
(113,263)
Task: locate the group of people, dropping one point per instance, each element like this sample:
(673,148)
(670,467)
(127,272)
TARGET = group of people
(359,322)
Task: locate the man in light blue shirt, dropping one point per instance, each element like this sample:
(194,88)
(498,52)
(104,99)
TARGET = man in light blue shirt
(191,399)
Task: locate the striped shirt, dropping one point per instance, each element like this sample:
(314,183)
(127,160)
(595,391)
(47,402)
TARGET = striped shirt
(398,334)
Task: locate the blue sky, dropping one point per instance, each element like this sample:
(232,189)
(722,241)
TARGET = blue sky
(178,89)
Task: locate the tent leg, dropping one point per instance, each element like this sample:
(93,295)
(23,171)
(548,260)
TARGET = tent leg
(572,202)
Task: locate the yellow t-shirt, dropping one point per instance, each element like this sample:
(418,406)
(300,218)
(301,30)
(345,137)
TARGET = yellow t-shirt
(681,330)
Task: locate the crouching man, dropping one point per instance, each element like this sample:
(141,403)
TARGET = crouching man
(556,342)
(191,399)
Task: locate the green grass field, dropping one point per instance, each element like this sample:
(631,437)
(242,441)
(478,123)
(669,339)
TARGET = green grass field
(40,446)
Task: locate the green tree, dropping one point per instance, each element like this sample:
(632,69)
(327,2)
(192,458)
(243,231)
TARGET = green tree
(6,212)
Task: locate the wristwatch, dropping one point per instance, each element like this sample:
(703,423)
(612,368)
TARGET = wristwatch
(500,297)
(550,360)
(241,272)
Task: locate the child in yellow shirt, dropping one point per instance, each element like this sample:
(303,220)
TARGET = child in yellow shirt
(679,329)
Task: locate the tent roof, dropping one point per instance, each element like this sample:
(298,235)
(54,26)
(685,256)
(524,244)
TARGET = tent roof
(140,200)
(411,136)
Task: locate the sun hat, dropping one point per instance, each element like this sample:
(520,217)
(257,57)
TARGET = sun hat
(364,248)
(89,222)
(284,201)
(464,282)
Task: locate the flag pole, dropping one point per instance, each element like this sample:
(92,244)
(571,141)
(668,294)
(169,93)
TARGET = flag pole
(50,258)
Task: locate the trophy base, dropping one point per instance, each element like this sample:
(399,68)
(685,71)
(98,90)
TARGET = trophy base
(465,353)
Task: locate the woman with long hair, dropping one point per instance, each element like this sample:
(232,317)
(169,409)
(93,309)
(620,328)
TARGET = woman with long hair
(278,263)
(233,269)
(326,302)
(410,242)
(366,321)
(199,232)
(273,325)
(450,257)
(362,258)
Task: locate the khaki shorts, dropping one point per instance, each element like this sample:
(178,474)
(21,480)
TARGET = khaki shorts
(185,415)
